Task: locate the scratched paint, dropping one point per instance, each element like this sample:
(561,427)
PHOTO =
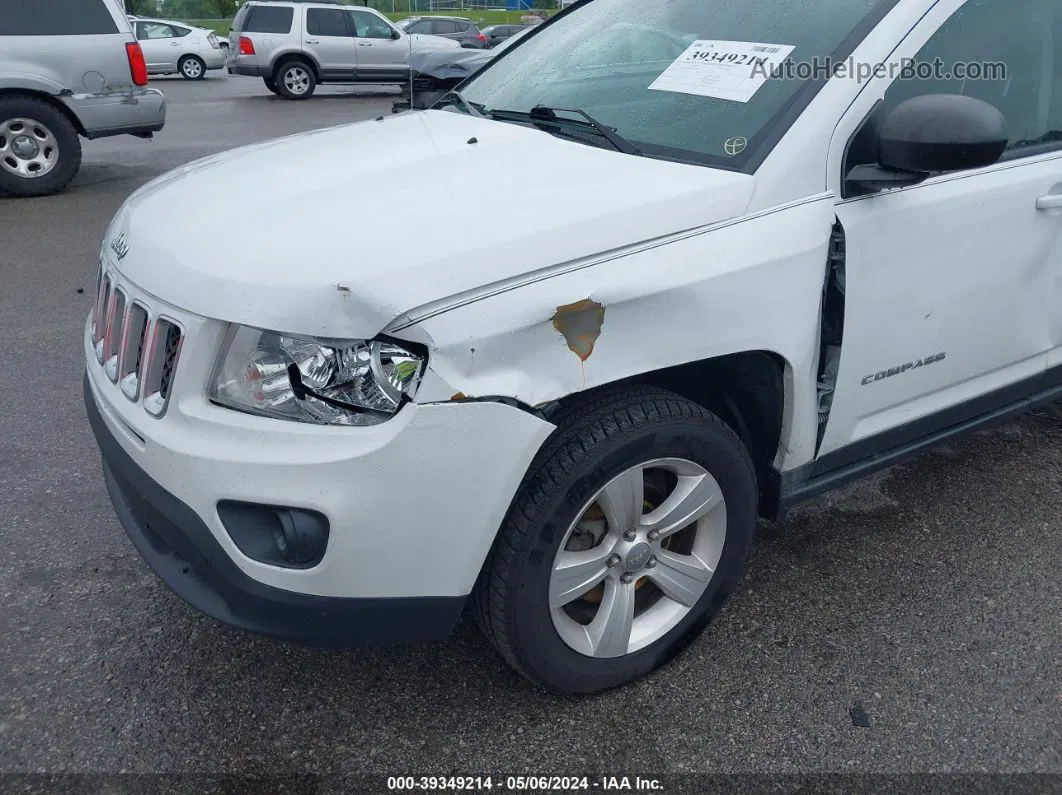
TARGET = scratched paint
(580,324)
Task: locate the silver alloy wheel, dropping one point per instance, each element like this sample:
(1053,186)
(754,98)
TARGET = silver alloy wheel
(644,570)
(297,80)
(191,68)
(28,148)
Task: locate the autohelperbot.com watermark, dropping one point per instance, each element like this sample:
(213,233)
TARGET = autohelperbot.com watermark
(863,71)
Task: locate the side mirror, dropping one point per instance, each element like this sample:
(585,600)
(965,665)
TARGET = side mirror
(395,34)
(933,134)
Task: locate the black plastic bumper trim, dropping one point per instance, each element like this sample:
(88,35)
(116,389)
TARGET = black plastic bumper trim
(182,551)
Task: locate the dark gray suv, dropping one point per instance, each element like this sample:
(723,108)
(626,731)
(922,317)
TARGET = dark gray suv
(464,31)
(68,68)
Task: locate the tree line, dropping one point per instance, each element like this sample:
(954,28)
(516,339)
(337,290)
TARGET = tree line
(184,9)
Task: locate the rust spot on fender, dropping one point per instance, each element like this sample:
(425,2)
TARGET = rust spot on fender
(580,324)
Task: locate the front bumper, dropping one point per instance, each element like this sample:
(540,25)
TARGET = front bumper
(136,112)
(183,552)
(413,505)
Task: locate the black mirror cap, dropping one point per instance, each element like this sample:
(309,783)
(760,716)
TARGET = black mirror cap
(941,133)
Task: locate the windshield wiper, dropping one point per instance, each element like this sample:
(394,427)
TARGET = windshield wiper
(473,108)
(541,115)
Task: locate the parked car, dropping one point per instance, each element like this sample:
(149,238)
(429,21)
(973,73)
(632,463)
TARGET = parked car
(68,68)
(703,290)
(464,31)
(296,46)
(496,34)
(435,72)
(176,48)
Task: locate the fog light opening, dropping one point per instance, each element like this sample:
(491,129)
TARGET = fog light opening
(291,538)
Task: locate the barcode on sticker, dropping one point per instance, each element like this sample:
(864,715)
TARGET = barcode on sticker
(765,49)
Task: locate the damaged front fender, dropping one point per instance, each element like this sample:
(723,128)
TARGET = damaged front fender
(748,285)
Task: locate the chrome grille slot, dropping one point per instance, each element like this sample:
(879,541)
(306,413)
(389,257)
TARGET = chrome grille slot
(136,343)
(131,353)
(172,349)
(96,298)
(102,305)
(163,353)
(113,335)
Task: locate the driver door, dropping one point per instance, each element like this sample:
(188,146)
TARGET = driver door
(383,53)
(950,285)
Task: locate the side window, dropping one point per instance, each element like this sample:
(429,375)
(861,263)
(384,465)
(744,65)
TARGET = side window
(180,32)
(326,22)
(55,18)
(442,27)
(421,26)
(269,19)
(1007,53)
(154,30)
(370,26)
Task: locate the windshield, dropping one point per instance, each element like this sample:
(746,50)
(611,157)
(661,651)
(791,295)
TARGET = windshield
(681,79)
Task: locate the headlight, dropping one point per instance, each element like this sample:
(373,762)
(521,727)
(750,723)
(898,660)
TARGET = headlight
(327,382)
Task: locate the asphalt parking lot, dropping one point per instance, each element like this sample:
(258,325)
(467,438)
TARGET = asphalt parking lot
(909,624)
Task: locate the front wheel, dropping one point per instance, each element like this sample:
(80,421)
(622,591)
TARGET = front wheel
(295,80)
(192,67)
(39,149)
(626,537)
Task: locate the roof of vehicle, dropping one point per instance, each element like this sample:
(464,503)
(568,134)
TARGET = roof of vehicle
(167,22)
(438,16)
(302,2)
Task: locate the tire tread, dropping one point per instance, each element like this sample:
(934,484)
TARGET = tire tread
(583,424)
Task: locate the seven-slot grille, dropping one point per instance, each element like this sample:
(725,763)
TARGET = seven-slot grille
(138,349)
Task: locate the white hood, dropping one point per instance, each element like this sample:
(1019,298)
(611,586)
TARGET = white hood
(340,231)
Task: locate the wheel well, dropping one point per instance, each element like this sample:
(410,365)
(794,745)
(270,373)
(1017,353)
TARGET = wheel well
(747,392)
(24,92)
(293,56)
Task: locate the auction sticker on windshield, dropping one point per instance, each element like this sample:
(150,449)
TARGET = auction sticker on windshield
(733,70)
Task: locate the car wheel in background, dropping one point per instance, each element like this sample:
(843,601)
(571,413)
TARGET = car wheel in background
(630,530)
(39,149)
(295,80)
(271,84)
(192,67)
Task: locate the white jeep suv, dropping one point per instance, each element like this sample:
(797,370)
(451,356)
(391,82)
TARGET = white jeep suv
(709,282)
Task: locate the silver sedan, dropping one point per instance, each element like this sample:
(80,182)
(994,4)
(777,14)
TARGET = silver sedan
(175,48)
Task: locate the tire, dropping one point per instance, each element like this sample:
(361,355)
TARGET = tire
(56,144)
(295,80)
(600,441)
(191,67)
(271,85)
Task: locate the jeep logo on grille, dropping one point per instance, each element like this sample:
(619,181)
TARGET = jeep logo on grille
(120,247)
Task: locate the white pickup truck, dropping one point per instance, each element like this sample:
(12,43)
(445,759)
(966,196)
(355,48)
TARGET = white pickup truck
(733,255)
